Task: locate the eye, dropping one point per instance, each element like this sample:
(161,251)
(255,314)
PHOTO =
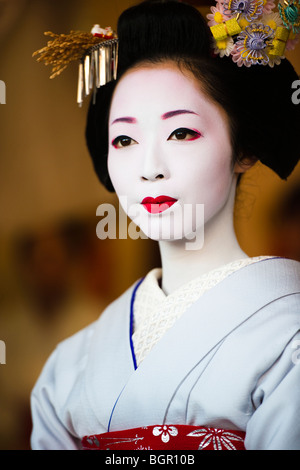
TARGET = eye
(184,134)
(123,141)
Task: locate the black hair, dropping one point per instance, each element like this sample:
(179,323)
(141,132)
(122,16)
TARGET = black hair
(264,121)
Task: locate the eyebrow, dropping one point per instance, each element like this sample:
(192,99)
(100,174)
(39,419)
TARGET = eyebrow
(130,120)
(168,115)
(171,114)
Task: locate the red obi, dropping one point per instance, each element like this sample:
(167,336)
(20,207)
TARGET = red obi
(167,437)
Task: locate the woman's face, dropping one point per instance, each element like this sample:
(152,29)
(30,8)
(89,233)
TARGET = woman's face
(167,140)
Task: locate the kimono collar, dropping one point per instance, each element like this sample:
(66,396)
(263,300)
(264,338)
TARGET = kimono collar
(155,312)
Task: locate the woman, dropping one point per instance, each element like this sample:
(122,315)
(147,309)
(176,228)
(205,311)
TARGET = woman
(200,354)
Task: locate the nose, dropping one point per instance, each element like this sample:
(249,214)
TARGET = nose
(153,177)
(154,166)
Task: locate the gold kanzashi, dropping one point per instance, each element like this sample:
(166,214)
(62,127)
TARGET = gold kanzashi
(65,48)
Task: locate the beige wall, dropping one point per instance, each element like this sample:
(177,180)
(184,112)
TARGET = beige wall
(47,178)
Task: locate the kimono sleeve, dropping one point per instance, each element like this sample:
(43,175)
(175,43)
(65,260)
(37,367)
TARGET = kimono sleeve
(275,425)
(48,433)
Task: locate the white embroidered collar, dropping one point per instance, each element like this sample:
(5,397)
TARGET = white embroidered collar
(155,312)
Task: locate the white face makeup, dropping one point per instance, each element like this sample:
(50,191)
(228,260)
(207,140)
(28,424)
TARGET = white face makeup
(166,138)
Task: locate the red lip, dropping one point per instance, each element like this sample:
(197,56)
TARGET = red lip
(156,205)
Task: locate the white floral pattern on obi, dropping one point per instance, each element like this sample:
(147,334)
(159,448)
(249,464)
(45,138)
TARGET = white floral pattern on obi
(219,438)
(165,432)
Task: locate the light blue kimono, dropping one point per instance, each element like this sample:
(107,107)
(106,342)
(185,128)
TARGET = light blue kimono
(231,361)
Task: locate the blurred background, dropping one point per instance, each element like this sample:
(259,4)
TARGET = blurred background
(56,276)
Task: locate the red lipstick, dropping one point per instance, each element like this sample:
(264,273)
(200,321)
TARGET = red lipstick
(156,205)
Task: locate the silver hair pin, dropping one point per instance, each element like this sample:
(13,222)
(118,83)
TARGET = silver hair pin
(97,67)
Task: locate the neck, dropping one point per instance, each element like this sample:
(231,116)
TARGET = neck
(181,265)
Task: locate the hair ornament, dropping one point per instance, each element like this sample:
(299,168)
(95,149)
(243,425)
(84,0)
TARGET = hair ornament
(252,33)
(249,9)
(290,15)
(97,53)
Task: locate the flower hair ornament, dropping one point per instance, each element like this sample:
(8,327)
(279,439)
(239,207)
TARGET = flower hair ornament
(97,53)
(253,32)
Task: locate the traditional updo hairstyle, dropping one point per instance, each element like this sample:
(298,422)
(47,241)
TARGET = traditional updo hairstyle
(264,122)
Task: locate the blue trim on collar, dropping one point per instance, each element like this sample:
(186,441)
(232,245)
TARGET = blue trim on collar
(131,323)
(131,345)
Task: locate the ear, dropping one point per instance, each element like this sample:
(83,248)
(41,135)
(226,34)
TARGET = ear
(244,164)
